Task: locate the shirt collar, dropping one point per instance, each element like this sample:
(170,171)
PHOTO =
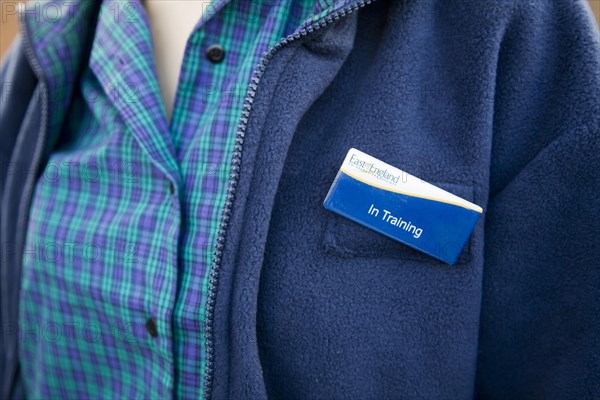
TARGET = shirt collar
(57,35)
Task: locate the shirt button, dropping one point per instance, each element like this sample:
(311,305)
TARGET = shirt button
(151,327)
(171,188)
(215,53)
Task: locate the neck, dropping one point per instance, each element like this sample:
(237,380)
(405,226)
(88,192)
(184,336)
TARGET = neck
(171,23)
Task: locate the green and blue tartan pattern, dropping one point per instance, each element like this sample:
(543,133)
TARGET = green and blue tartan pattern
(125,216)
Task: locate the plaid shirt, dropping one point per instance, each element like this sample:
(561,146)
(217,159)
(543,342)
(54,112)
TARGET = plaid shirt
(125,216)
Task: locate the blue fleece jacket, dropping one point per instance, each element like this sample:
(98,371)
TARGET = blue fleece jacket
(495,101)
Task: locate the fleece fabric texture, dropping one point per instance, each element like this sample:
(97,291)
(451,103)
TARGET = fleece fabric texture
(20,112)
(497,102)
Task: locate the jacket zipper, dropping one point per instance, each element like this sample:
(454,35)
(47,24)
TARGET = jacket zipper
(235,173)
(30,183)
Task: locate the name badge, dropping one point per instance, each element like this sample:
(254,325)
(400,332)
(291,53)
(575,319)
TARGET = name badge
(402,206)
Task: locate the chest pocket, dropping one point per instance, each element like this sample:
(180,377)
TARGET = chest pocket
(345,238)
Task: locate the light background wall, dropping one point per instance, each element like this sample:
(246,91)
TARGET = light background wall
(8,26)
(8,21)
(596,8)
